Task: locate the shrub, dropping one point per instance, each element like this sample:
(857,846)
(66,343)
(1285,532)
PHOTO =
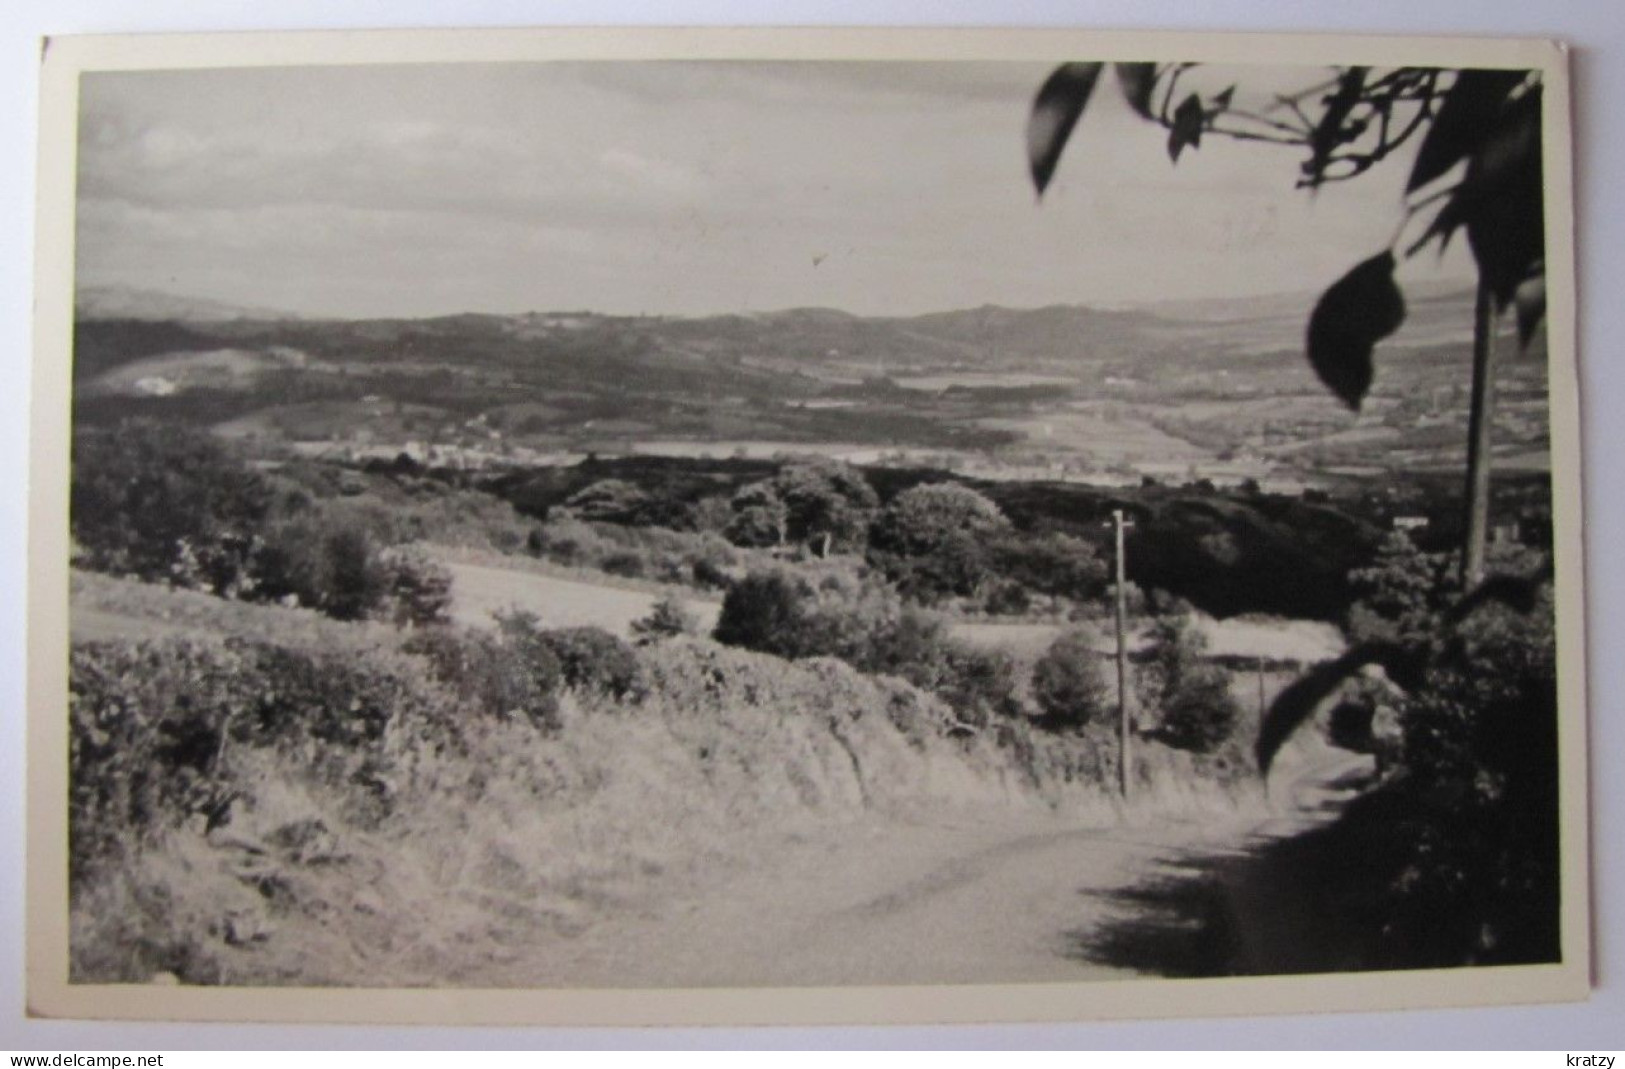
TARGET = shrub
(627,564)
(865,624)
(610,500)
(669,617)
(1007,598)
(759,517)
(326,563)
(165,503)
(709,573)
(588,658)
(154,727)
(1068,684)
(1480,749)
(710,515)
(419,589)
(1056,564)
(1190,696)
(492,675)
(354,580)
(935,540)
(765,611)
(981,685)
(146,730)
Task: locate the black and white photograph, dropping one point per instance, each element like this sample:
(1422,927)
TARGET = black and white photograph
(712,520)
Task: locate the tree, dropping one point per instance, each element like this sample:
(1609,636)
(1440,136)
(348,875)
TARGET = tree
(760,518)
(1477,169)
(827,504)
(1061,565)
(936,540)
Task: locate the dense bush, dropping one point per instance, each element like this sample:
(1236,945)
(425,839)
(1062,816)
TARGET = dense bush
(668,618)
(175,505)
(498,677)
(609,500)
(760,518)
(165,504)
(935,541)
(865,623)
(982,686)
(419,588)
(1055,564)
(1399,596)
(323,563)
(626,564)
(1189,697)
(1068,683)
(1460,845)
(588,658)
(1480,759)
(700,559)
(767,611)
(154,727)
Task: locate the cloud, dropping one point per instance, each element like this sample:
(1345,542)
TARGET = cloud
(674,187)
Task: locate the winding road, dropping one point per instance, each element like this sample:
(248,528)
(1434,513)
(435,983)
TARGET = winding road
(961,898)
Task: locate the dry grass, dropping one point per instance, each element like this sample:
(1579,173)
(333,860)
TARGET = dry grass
(510,836)
(104,607)
(502,839)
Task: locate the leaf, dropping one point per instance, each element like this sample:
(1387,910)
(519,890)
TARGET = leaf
(1296,704)
(1518,593)
(1504,201)
(1530,302)
(1359,310)
(1137,80)
(1445,224)
(1465,118)
(1329,133)
(1186,131)
(1056,109)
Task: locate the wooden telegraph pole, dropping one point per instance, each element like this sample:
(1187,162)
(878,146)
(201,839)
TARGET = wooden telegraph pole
(1481,420)
(1124,753)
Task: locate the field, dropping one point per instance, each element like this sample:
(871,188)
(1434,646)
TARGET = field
(480,592)
(1164,392)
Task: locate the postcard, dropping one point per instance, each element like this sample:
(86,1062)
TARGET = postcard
(803,526)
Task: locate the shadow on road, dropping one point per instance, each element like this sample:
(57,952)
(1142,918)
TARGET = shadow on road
(1304,902)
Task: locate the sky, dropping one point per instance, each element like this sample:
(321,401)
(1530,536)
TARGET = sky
(688,189)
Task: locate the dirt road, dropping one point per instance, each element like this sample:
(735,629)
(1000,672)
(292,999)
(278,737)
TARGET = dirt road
(939,898)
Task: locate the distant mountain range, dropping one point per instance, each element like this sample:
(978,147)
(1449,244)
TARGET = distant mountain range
(1056,321)
(1217,387)
(128,302)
